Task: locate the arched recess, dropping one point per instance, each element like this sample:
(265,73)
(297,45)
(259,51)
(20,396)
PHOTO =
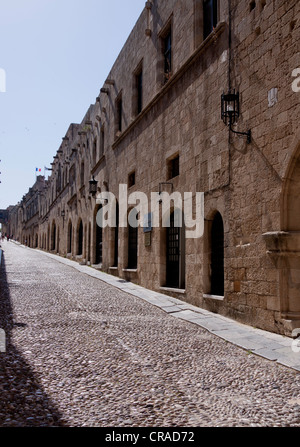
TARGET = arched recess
(48,238)
(57,240)
(69,240)
(283,246)
(53,236)
(213,262)
(80,238)
(290,197)
(98,238)
(116,238)
(217,255)
(132,240)
(88,252)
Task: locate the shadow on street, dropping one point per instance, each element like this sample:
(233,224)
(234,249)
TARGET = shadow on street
(23,401)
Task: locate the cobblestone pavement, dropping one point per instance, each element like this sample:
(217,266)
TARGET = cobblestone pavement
(83,353)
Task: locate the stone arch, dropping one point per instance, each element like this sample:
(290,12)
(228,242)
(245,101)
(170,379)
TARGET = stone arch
(290,196)
(283,246)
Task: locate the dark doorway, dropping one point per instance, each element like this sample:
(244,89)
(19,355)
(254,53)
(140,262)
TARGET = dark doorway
(89,244)
(70,238)
(132,247)
(217,256)
(80,239)
(116,246)
(53,237)
(175,256)
(99,243)
(132,239)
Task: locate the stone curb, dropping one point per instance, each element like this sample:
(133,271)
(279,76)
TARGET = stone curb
(271,346)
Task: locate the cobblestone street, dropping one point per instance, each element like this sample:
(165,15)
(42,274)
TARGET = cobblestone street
(83,353)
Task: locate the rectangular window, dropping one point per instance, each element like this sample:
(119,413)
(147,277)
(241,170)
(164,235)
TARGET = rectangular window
(95,151)
(131,179)
(102,136)
(210,16)
(139,91)
(173,167)
(119,113)
(167,50)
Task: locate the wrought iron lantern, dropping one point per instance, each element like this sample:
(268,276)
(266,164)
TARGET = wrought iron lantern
(93,186)
(230,111)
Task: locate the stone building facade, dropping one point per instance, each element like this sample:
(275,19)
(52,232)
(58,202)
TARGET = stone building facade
(156,126)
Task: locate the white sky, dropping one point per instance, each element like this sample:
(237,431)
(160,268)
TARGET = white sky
(56,55)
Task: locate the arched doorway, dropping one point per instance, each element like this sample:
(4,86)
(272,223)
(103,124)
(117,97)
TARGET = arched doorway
(53,236)
(116,237)
(88,255)
(69,246)
(80,239)
(57,240)
(132,247)
(98,238)
(217,256)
